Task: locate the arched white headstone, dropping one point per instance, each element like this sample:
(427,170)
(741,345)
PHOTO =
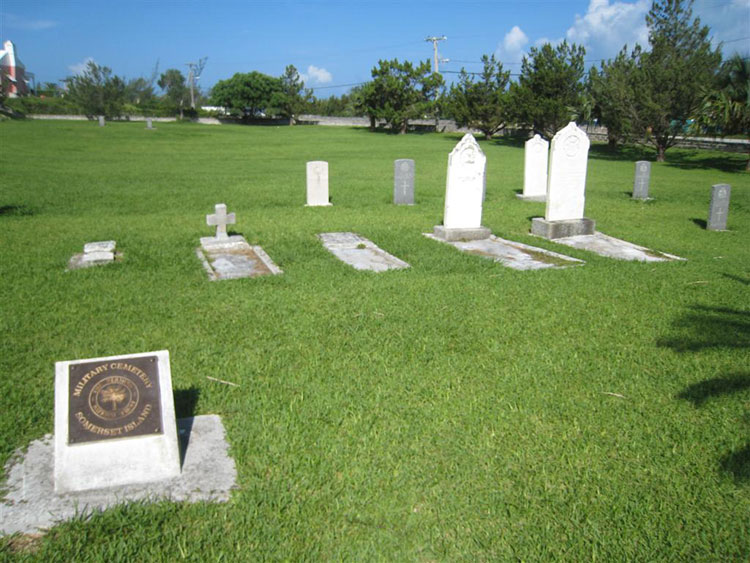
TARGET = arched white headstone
(566,188)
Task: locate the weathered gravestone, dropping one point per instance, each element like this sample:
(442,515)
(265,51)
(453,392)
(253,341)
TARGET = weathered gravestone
(149,123)
(114,422)
(403,181)
(317,183)
(641,180)
(230,257)
(566,187)
(464,193)
(536,152)
(101,121)
(360,253)
(718,210)
(94,254)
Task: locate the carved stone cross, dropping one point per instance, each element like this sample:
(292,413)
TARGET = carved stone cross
(220,220)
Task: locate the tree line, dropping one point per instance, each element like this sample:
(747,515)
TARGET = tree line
(650,96)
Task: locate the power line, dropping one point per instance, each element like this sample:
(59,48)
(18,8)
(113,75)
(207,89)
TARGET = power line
(337,86)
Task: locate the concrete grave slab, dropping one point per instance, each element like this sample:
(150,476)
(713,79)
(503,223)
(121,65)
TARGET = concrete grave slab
(360,253)
(514,255)
(233,257)
(32,506)
(611,247)
(94,254)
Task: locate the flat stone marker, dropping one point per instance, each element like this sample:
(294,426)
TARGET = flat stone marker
(149,123)
(230,257)
(220,219)
(641,180)
(101,121)
(718,210)
(566,187)
(611,247)
(403,181)
(114,422)
(514,255)
(317,183)
(464,193)
(536,155)
(31,504)
(94,254)
(360,253)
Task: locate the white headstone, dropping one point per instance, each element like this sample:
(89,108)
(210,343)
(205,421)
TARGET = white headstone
(149,123)
(566,185)
(220,220)
(317,183)
(101,121)
(114,422)
(536,152)
(464,190)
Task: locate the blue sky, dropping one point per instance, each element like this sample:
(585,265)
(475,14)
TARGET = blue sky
(330,42)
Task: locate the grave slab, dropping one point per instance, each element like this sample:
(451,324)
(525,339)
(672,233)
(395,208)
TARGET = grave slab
(611,247)
(94,254)
(233,258)
(514,255)
(360,253)
(32,506)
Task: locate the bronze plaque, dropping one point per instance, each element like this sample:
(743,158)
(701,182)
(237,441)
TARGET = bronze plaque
(116,398)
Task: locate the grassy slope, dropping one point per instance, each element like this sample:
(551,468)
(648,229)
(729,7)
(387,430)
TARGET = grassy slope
(457,410)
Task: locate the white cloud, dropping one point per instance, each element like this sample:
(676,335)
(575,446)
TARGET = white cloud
(19,22)
(78,68)
(315,75)
(607,26)
(515,40)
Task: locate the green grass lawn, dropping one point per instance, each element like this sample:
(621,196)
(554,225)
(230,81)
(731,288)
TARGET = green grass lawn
(457,410)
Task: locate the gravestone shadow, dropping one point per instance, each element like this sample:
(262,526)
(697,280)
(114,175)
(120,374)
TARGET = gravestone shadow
(185,401)
(700,222)
(738,464)
(699,393)
(15,210)
(744,281)
(709,327)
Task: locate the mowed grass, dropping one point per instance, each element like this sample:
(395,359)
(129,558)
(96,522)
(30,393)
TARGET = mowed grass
(458,410)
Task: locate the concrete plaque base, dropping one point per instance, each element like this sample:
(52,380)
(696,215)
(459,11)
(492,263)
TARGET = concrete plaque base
(31,504)
(559,229)
(450,235)
(612,247)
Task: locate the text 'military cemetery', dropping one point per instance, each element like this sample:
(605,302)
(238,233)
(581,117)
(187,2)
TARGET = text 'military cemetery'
(718,210)
(536,153)
(317,183)
(566,187)
(464,193)
(114,422)
(229,257)
(641,179)
(403,181)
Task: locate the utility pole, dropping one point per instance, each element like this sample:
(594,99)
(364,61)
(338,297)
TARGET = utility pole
(434,40)
(193,75)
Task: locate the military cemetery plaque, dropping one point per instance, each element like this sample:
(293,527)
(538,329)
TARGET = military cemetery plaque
(114,422)
(113,399)
(641,180)
(718,209)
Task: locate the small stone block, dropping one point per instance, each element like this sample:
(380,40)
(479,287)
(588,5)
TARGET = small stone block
(541,198)
(101,246)
(561,229)
(461,234)
(98,257)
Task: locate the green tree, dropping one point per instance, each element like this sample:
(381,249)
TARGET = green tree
(726,107)
(610,89)
(550,88)
(293,98)
(250,94)
(399,92)
(176,90)
(96,92)
(139,91)
(670,80)
(481,104)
